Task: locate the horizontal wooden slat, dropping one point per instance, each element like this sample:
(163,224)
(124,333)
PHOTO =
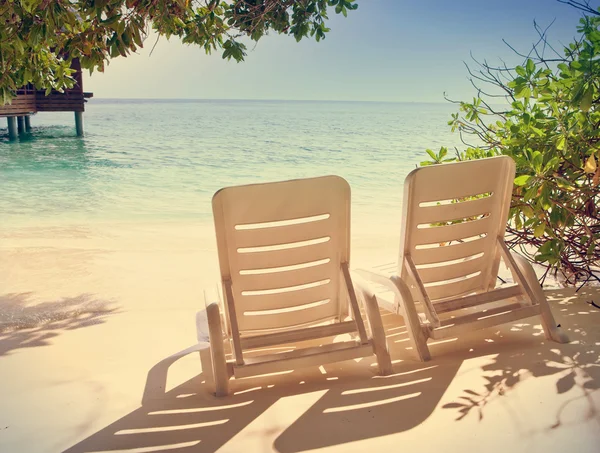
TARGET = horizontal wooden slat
(287,319)
(21,105)
(60,100)
(284,300)
(451,252)
(20,102)
(64,109)
(59,96)
(440,273)
(29,106)
(32,101)
(451,232)
(16,112)
(478,299)
(440,182)
(285,279)
(291,336)
(262,237)
(281,258)
(286,200)
(471,322)
(453,211)
(59,103)
(455,288)
(61,109)
(272,363)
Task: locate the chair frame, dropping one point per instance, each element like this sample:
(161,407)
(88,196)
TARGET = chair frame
(222,315)
(523,300)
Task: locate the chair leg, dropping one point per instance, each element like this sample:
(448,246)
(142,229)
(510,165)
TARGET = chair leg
(418,340)
(379,341)
(551,330)
(202,332)
(217,351)
(207,368)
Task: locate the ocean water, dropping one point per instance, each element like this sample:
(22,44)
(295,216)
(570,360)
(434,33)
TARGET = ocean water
(161,161)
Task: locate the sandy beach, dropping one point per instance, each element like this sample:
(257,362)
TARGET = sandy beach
(97,353)
(120,121)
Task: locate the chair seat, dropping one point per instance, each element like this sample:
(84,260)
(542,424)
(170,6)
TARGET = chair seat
(318,355)
(495,295)
(483,319)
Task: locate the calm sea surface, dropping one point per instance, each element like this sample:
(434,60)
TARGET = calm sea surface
(161,161)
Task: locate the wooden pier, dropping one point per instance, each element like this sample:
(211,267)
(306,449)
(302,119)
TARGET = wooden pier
(29,101)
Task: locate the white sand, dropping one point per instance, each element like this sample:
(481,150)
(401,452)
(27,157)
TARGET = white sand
(106,305)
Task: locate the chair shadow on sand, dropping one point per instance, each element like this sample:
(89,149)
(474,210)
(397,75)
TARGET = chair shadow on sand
(24,324)
(355,404)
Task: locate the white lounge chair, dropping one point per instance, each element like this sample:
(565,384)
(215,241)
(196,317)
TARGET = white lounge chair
(450,250)
(284,251)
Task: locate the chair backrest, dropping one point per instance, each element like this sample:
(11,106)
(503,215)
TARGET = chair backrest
(281,245)
(453,215)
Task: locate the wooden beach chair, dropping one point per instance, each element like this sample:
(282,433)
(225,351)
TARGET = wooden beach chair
(284,250)
(452,240)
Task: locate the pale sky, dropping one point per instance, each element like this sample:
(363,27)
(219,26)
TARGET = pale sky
(386,50)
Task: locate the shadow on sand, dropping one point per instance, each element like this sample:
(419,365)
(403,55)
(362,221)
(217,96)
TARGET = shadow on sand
(353,403)
(24,324)
(574,365)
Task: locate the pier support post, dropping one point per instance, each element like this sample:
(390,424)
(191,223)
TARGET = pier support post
(20,125)
(28,123)
(79,123)
(12,127)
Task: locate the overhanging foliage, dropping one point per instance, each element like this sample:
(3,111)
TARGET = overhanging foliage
(38,38)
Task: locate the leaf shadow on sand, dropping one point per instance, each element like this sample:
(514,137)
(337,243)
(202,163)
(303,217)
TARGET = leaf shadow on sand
(575,365)
(25,324)
(348,402)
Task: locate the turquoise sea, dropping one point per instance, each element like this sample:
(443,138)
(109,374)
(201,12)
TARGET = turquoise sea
(161,161)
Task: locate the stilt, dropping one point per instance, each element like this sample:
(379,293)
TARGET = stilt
(12,128)
(20,125)
(79,123)
(28,124)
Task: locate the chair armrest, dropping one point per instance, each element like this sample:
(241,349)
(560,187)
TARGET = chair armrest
(403,305)
(211,298)
(393,284)
(362,285)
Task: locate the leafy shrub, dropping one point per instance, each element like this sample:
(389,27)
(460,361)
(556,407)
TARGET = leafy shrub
(550,125)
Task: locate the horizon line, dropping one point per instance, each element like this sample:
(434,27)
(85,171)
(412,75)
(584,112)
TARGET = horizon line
(263,100)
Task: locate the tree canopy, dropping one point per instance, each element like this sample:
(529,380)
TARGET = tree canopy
(545,114)
(39,38)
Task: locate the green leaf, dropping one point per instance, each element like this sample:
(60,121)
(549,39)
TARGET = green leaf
(530,66)
(538,232)
(545,197)
(522,180)
(544,257)
(528,211)
(587,99)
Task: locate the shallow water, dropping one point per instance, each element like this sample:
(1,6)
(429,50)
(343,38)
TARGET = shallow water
(161,161)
